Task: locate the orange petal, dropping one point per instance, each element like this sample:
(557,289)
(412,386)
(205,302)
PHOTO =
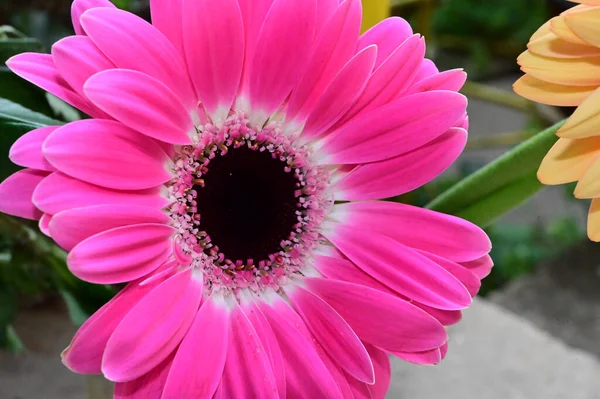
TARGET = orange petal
(585,121)
(560,29)
(589,183)
(552,94)
(553,46)
(568,160)
(577,72)
(541,32)
(593,224)
(585,23)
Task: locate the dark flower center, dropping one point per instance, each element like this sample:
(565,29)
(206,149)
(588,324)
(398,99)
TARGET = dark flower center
(247,205)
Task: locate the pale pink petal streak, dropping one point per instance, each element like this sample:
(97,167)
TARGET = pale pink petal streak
(214,48)
(379,318)
(142,103)
(269,342)
(40,70)
(59,192)
(84,354)
(248,373)
(167,17)
(341,93)
(121,254)
(400,267)
(283,47)
(452,80)
(132,43)
(383,372)
(393,76)
(306,375)
(443,235)
(77,58)
(80,6)
(387,36)
(108,154)
(16,193)
(27,150)
(163,316)
(200,360)
(403,173)
(398,127)
(148,386)
(333,334)
(334,46)
(70,227)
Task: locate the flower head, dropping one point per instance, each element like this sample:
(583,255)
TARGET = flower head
(562,68)
(228,175)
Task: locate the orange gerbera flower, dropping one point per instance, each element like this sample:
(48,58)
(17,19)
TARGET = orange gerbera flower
(562,68)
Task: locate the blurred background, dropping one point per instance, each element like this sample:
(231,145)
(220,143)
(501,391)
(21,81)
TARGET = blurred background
(534,334)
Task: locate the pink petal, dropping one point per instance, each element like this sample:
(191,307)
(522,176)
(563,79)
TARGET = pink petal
(447,236)
(444,350)
(150,332)
(333,333)
(403,173)
(481,267)
(378,318)
(282,49)
(359,390)
(142,103)
(40,70)
(214,43)
(341,93)
(383,372)
(426,70)
(80,6)
(393,76)
(16,194)
(269,342)
(132,43)
(387,36)
(341,378)
(254,13)
(207,340)
(121,254)
(446,317)
(27,150)
(452,80)
(45,223)
(70,227)
(396,128)
(430,357)
(464,275)
(338,268)
(344,270)
(333,48)
(247,357)
(167,17)
(325,10)
(306,375)
(84,354)
(77,58)
(108,154)
(148,386)
(59,192)
(399,267)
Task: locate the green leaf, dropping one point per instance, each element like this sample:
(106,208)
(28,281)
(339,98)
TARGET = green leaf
(17,115)
(16,120)
(501,185)
(76,311)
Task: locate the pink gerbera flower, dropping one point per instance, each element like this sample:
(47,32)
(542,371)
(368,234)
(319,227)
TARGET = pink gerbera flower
(228,174)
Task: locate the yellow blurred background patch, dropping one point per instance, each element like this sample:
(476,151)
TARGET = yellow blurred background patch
(374,11)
